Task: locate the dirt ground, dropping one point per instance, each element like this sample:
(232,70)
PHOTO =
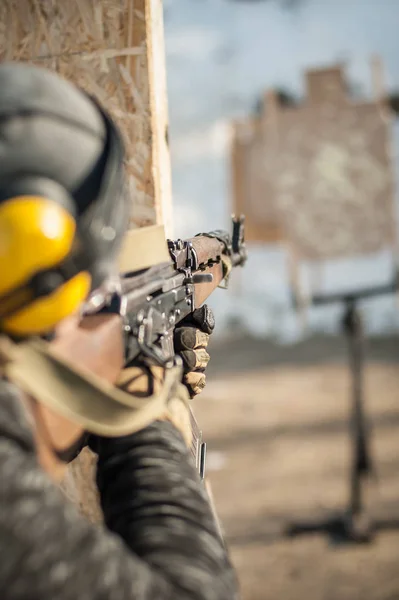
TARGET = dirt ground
(276,423)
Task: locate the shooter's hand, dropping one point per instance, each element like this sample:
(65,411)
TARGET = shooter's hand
(191,340)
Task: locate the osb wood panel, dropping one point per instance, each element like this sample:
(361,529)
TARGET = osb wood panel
(115,51)
(159,114)
(100,46)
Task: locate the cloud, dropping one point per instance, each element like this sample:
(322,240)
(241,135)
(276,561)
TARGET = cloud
(188,218)
(197,144)
(192,43)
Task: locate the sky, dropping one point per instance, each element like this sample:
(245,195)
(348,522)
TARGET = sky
(221,56)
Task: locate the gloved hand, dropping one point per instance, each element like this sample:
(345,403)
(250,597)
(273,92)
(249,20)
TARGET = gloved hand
(191,339)
(143,381)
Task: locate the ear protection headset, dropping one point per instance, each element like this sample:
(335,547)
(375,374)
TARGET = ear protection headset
(57,244)
(39,284)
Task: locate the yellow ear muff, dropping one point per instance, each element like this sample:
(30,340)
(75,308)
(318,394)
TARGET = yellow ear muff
(43,314)
(37,234)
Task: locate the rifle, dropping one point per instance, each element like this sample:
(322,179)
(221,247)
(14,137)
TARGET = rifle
(151,302)
(134,314)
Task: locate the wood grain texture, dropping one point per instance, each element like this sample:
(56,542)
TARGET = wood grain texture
(104,47)
(204,290)
(207,248)
(96,343)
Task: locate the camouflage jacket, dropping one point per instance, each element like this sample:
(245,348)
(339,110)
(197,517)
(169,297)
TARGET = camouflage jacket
(160,541)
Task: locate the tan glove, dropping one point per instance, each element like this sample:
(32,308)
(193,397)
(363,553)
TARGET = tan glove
(191,340)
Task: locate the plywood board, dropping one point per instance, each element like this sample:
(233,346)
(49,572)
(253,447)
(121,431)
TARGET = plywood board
(114,50)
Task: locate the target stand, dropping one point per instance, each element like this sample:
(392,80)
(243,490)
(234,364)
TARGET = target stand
(355,524)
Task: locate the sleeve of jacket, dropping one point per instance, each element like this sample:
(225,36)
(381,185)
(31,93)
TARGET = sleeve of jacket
(163,544)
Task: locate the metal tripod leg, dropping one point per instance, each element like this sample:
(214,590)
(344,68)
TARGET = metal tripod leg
(358,522)
(354,525)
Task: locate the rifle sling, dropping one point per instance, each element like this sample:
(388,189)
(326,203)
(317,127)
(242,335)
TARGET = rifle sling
(78,394)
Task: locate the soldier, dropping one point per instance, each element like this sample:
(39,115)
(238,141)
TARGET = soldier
(61,163)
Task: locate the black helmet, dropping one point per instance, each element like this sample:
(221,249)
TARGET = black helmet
(63,201)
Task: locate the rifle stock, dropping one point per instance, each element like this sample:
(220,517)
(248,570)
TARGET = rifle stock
(96,343)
